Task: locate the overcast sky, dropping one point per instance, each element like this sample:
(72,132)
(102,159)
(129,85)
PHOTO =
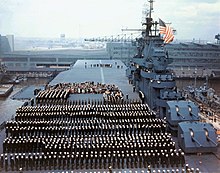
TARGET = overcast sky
(199,19)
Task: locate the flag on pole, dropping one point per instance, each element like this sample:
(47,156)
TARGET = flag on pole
(162,29)
(166,31)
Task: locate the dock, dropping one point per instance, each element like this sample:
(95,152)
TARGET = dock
(5,90)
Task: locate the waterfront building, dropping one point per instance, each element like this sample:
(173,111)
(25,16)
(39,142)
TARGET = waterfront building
(6,44)
(188,59)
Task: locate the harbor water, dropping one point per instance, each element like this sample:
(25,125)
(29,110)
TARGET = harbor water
(8,105)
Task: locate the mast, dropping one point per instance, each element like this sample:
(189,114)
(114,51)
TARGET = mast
(151,7)
(149,20)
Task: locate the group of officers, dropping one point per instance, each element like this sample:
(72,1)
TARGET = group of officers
(82,88)
(61,92)
(52,94)
(88,137)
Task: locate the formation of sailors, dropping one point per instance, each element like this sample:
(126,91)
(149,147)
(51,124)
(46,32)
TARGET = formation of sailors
(68,112)
(88,137)
(70,116)
(93,159)
(101,101)
(92,121)
(90,142)
(96,160)
(84,126)
(86,108)
(53,94)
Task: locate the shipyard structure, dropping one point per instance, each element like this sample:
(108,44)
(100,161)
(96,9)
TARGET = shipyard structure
(188,58)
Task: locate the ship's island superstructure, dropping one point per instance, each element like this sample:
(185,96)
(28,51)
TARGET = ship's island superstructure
(150,76)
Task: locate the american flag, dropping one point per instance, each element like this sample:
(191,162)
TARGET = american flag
(166,31)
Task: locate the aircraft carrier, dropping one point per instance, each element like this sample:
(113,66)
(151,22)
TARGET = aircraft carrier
(102,116)
(83,132)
